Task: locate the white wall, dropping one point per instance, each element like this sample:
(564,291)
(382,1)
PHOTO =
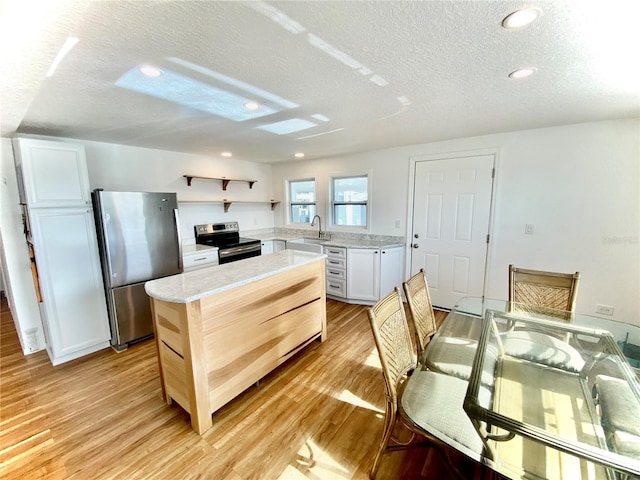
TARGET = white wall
(121,167)
(388,172)
(20,290)
(579,185)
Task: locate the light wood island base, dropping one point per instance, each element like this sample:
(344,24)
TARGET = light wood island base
(213,348)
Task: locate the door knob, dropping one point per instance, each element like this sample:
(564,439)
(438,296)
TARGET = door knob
(415,245)
(415,235)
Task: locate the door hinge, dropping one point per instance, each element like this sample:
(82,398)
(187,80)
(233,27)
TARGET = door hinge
(493,172)
(488,237)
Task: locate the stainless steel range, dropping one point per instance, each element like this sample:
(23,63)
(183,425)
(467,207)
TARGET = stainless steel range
(226,236)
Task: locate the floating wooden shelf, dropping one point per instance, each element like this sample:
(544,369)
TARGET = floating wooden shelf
(227,203)
(225,181)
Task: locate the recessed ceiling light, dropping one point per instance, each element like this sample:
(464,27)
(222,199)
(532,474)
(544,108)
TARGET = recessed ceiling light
(252,106)
(521,18)
(522,72)
(298,155)
(150,71)
(226,154)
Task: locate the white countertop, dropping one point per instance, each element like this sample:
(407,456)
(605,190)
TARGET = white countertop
(334,242)
(191,286)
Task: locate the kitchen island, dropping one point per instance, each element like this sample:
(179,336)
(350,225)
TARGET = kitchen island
(220,329)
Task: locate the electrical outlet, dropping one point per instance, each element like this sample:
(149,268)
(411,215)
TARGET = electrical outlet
(397,223)
(604,310)
(528,228)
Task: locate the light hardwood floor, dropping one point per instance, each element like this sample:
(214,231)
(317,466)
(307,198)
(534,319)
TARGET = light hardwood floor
(318,416)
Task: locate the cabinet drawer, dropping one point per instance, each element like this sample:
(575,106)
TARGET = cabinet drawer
(199,260)
(337,288)
(336,273)
(332,263)
(336,252)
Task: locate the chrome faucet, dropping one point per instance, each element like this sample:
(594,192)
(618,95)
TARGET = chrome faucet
(313,222)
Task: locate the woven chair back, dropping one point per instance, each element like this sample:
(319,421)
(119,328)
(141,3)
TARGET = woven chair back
(540,289)
(417,292)
(393,340)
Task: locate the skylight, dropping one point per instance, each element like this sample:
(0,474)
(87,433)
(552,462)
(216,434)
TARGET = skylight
(287,126)
(186,91)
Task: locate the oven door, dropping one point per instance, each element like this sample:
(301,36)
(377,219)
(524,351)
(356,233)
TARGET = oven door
(231,254)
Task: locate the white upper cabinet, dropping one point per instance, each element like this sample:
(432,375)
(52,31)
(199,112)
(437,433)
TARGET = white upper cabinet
(54,173)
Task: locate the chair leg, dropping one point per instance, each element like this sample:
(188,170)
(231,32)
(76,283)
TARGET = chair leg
(389,421)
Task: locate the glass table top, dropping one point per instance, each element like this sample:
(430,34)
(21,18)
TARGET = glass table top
(564,397)
(531,392)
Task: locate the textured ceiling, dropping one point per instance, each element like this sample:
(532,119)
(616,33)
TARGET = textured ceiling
(381,74)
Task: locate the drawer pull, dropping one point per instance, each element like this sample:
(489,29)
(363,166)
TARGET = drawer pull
(334,262)
(334,286)
(333,272)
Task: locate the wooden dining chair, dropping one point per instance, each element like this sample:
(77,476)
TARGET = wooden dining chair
(547,290)
(549,293)
(397,358)
(421,311)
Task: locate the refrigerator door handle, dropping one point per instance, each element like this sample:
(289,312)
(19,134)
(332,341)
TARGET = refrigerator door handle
(176,216)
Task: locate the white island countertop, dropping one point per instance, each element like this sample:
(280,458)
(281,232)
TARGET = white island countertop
(191,286)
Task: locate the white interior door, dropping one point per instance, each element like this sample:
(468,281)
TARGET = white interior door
(451,213)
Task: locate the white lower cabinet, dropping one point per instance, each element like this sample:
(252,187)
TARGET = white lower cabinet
(272,246)
(373,272)
(199,259)
(336,271)
(266,246)
(363,274)
(391,269)
(73,304)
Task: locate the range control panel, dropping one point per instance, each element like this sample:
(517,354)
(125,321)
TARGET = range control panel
(209,228)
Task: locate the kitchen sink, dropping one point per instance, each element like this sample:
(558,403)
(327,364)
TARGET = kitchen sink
(306,244)
(316,241)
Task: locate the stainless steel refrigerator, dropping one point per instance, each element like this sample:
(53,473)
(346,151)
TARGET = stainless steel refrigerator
(138,238)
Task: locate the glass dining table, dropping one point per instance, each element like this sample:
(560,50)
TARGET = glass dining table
(531,392)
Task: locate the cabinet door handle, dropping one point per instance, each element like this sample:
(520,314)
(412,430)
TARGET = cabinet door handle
(199,259)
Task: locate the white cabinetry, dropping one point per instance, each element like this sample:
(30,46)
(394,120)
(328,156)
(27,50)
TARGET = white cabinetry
(363,274)
(199,259)
(266,247)
(391,269)
(336,271)
(71,283)
(272,246)
(54,174)
(373,272)
(57,193)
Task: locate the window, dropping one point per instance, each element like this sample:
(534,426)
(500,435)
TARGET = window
(302,200)
(349,200)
